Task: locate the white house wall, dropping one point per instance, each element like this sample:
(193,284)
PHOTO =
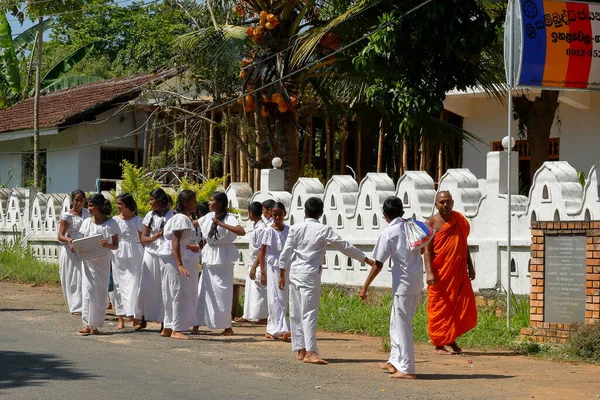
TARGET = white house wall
(579,131)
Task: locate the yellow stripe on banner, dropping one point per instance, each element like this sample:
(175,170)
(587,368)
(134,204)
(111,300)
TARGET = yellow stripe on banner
(555,69)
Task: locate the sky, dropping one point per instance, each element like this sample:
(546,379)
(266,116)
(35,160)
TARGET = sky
(18,28)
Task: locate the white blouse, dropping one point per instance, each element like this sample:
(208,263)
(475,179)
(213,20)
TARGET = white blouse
(179,222)
(156,222)
(74,222)
(219,249)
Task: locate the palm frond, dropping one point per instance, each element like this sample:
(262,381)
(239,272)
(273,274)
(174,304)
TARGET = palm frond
(216,47)
(64,66)
(8,59)
(28,36)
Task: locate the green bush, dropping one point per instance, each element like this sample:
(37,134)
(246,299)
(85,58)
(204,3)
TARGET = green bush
(585,342)
(137,183)
(17,263)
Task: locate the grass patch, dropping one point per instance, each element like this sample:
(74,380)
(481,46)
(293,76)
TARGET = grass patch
(341,311)
(18,264)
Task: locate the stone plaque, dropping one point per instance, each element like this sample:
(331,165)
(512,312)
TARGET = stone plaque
(564,270)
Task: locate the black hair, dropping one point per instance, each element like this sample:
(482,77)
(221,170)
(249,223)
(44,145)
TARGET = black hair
(183,197)
(160,195)
(255,208)
(129,202)
(313,207)
(279,205)
(74,194)
(102,203)
(202,208)
(392,207)
(268,204)
(221,199)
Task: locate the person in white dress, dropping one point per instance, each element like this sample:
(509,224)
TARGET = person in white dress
(255,290)
(302,254)
(179,258)
(407,284)
(127,259)
(273,239)
(70,269)
(149,305)
(215,297)
(96,270)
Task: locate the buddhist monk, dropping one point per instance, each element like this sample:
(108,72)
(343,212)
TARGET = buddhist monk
(451,310)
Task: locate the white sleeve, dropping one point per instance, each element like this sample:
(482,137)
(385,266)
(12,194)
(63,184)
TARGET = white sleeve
(67,217)
(383,249)
(285,258)
(113,228)
(343,246)
(266,237)
(85,227)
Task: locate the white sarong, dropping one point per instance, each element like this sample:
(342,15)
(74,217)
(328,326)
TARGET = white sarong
(215,297)
(277,324)
(180,294)
(149,301)
(71,279)
(402,354)
(96,276)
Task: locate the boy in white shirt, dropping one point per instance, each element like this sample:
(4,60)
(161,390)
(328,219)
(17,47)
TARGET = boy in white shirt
(302,254)
(407,284)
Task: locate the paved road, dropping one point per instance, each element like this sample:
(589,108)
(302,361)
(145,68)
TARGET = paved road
(41,357)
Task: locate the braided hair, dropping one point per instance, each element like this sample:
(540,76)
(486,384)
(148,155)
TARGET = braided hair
(182,198)
(160,195)
(102,203)
(221,199)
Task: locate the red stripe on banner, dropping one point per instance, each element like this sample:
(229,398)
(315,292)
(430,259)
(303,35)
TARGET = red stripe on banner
(580,60)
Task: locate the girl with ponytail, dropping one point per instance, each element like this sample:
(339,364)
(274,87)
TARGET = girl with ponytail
(96,271)
(149,302)
(70,268)
(179,258)
(218,255)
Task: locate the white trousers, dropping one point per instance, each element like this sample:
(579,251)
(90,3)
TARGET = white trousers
(96,275)
(402,354)
(215,297)
(71,279)
(149,301)
(255,298)
(305,294)
(180,294)
(277,299)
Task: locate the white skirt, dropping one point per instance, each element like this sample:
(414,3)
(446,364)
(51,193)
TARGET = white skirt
(126,278)
(255,298)
(215,297)
(71,279)
(149,301)
(180,294)
(96,276)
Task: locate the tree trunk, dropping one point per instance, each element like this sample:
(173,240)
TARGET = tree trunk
(440,161)
(423,165)
(242,158)
(311,131)
(234,165)
(359,152)
(211,144)
(154,129)
(328,149)
(134,125)
(258,154)
(146,143)
(36,105)
(185,143)
(537,116)
(343,129)
(175,138)
(290,157)
(380,147)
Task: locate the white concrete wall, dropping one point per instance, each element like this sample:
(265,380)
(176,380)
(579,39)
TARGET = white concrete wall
(486,117)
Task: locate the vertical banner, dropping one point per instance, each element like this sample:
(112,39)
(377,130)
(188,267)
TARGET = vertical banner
(556,44)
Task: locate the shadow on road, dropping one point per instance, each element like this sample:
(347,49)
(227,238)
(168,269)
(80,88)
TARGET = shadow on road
(19,369)
(351,360)
(18,309)
(494,354)
(439,377)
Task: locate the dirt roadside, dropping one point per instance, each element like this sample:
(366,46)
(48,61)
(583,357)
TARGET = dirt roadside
(466,376)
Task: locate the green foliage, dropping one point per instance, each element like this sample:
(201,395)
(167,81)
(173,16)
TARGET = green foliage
(137,183)
(203,189)
(581,178)
(9,64)
(341,311)
(309,171)
(585,342)
(64,66)
(17,263)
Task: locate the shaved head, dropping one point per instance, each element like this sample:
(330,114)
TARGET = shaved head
(443,193)
(444,203)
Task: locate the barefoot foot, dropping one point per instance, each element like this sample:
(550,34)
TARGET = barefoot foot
(179,335)
(387,367)
(441,351)
(227,332)
(301,355)
(286,336)
(97,332)
(166,332)
(313,358)
(240,319)
(269,336)
(402,375)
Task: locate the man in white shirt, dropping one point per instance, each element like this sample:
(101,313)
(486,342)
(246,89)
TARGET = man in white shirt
(302,254)
(407,284)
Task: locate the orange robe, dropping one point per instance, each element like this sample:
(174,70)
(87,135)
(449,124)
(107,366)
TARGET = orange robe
(451,309)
